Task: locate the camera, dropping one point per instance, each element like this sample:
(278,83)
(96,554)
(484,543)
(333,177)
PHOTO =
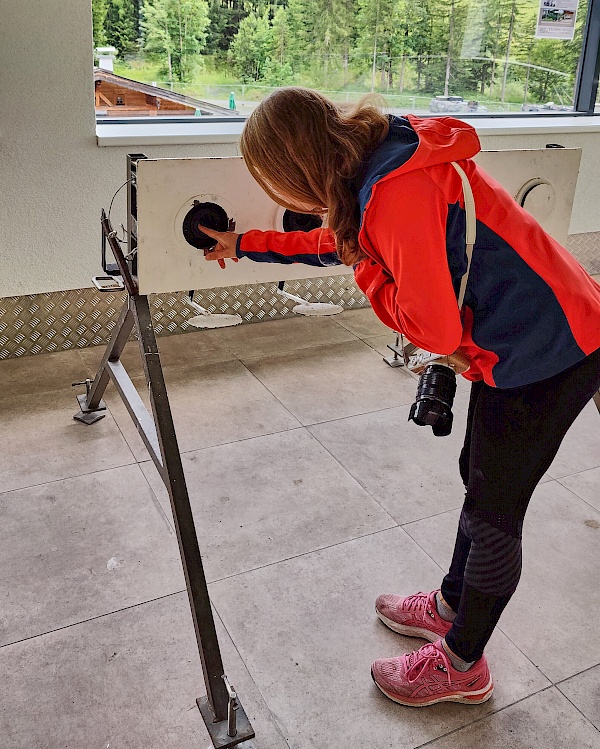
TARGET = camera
(435,396)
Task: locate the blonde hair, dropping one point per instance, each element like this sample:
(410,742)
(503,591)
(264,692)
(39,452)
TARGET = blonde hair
(300,146)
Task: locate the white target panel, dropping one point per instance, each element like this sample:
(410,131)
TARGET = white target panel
(542,180)
(173,193)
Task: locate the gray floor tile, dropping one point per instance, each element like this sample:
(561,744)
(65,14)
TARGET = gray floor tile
(364,323)
(40,374)
(412,473)
(308,634)
(281,336)
(585,485)
(330,382)
(211,405)
(545,720)
(74,549)
(583,690)
(379,342)
(127,680)
(262,500)
(43,443)
(580,449)
(190,350)
(560,562)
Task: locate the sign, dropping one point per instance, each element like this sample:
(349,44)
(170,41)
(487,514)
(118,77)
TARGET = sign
(556,19)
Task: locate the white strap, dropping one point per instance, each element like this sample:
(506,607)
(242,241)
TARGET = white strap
(471,229)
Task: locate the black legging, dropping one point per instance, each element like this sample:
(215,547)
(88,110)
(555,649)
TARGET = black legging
(512,438)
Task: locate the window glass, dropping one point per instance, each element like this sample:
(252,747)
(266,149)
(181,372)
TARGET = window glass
(220,57)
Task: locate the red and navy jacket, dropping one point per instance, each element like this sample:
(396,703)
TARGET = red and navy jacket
(530,310)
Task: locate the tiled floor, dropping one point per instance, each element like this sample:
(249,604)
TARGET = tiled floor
(311,494)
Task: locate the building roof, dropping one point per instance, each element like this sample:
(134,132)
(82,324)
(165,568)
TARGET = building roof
(163,93)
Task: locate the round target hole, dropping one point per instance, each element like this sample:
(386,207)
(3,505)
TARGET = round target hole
(210,215)
(301,221)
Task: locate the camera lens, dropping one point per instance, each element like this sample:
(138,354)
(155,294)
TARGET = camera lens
(435,396)
(301,221)
(205,214)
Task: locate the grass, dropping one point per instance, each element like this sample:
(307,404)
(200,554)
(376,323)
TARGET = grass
(213,81)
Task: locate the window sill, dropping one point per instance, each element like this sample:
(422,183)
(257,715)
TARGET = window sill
(192,133)
(167,133)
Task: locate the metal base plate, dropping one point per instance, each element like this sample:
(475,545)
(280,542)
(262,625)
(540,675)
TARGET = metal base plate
(82,400)
(87,416)
(398,359)
(90,417)
(393,361)
(218,731)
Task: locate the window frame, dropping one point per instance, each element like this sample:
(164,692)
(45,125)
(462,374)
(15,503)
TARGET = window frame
(584,98)
(586,86)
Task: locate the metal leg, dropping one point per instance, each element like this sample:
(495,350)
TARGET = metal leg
(91,403)
(223,715)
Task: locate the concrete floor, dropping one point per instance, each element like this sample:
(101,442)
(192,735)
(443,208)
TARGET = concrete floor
(312,494)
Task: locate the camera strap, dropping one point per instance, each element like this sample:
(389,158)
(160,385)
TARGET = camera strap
(471,228)
(410,350)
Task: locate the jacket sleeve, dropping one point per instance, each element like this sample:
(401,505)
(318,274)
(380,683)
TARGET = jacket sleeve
(316,247)
(406,277)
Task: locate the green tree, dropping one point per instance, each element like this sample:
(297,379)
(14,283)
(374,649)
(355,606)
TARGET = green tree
(175,30)
(249,50)
(99,11)
(122,26)
(381,37)
(224,21)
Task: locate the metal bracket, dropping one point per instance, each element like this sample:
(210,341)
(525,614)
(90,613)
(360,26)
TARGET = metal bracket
(88,415)
(397,360)
(238,727)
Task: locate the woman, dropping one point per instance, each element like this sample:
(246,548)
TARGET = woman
(529,331)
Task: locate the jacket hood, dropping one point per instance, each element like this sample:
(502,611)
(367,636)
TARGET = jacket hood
(415,143)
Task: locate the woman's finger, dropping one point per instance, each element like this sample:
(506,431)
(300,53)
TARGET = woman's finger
(215,253)
(211,232)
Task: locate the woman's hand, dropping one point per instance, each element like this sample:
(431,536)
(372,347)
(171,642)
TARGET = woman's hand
(225,247)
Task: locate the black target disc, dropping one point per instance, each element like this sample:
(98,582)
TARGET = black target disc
(301,221)
(210,215)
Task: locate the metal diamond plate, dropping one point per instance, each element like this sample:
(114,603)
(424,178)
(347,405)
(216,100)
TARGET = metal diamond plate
(586,248)
(58,321)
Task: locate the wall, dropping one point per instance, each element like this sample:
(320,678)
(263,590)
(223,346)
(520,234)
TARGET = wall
(55,179)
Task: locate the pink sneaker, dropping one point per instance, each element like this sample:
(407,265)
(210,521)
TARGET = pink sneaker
(415,616)
(427,676)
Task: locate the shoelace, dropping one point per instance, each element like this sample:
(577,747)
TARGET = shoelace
(419,602)
(416,601)
(423,357)
(415,663)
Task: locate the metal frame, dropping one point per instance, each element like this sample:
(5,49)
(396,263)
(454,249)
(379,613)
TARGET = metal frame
(221,710)
(586,88)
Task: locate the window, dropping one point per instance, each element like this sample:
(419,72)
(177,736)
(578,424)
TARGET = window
(442,56)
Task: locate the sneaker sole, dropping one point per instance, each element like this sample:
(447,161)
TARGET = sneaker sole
(404,629)
(466,698)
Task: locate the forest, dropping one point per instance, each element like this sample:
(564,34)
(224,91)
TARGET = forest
(483,50)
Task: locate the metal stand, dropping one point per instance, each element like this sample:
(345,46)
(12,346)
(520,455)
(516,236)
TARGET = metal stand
(397,360)
(223,715)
